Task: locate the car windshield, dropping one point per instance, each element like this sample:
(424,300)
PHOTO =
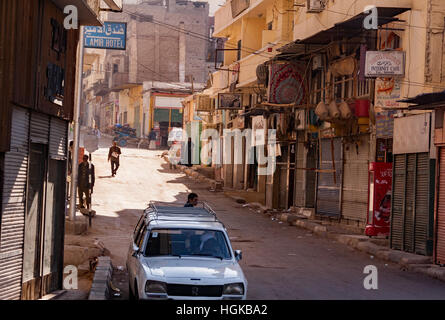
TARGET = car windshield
(187,242)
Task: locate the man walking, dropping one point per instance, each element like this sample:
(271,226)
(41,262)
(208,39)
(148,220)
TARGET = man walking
(85,181)
(113,156)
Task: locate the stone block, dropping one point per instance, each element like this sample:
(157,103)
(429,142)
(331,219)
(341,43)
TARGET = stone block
(76,227)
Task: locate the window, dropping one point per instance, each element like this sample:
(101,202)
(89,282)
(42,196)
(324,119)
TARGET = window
(238,57)
(187,242)
(269,25)
(125,117)
(115,68)
(141,238)
(139,232)
(138,227)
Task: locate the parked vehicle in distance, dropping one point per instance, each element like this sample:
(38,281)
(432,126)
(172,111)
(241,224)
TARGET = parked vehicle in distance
(183,253)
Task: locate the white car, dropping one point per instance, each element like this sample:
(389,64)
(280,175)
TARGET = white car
(183,253)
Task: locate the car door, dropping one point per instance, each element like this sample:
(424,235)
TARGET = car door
(137,263)
(136,236)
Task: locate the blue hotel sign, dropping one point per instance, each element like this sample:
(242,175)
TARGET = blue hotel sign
(112,35)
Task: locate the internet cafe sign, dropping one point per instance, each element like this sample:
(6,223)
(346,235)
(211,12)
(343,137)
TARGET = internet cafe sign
(385,64)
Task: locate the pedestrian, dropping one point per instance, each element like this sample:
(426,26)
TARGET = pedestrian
(152,139)
(113,156)
(85,181)
(192,200)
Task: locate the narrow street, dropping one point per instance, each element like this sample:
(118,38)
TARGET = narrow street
(279,261)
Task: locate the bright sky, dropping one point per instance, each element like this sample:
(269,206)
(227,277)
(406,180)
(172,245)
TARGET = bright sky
(214,4)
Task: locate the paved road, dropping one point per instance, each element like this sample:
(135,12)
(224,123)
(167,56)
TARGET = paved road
(279,261)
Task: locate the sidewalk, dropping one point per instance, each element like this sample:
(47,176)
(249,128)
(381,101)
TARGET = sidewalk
(378,248)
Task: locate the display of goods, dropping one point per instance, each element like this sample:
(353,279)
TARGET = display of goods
(362,108)
(322,111)
(333,110)
(345,111)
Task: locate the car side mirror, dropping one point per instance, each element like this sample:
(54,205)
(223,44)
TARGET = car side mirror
(238,255)
(135,250)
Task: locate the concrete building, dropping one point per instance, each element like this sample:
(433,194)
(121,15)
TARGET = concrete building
(37,76)
(167,42)
(316,52)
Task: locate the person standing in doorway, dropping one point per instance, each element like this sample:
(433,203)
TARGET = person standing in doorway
(113,156)
(85,182)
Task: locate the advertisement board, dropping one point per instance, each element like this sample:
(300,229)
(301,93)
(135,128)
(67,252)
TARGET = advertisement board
(231,101)
(385,63)
(112,35)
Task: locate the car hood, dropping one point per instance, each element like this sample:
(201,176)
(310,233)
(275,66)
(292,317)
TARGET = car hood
(188,267)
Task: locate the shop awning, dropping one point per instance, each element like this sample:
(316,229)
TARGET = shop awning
(88,16)
(347,29)
(426,101)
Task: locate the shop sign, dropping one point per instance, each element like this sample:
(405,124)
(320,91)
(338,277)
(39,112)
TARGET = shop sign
(385,64)
(231,101)
(112,35)
(387,92)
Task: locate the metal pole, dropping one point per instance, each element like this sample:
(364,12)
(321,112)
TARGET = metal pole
(75,155)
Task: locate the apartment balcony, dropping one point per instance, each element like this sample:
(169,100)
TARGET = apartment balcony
(234,10)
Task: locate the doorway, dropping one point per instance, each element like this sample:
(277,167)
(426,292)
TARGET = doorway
(32,251)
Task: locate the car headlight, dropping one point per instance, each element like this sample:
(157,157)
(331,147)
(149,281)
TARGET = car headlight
(234,288)
(155,287)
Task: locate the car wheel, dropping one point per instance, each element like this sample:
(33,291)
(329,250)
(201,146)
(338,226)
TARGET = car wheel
(136,291)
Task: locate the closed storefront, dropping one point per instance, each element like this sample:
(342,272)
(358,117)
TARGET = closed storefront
(13,208)
(329,177)
(439,246)
(355,179)
(411,209)
(412,201)
(33,206)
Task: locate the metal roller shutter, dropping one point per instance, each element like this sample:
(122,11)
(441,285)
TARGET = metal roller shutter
(328,191)
(39,128)
(440,216)
(411,209)
(13,207)
(58,139)
(355,181)
(398,201)
(299,173)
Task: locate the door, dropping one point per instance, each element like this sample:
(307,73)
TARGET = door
(330,177)
(355,180)
(13,207)
(439,246)
(54,225)
(310,175)
(411,207)
(33,221)
(137,119)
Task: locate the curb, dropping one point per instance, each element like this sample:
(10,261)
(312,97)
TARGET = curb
(409,261)
(100,289)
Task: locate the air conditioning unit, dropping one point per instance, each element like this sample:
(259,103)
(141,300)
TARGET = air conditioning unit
(300,119)
(316,6)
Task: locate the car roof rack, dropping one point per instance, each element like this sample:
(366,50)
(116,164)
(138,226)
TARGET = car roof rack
(167,211)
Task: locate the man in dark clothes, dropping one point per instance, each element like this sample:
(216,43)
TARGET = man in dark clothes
(85,181)
(113,156)
(192,200)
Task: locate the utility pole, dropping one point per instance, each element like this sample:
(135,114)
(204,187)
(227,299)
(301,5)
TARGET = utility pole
(75,153)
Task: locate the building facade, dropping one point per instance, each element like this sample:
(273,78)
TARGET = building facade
(309,72)
(37,76)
